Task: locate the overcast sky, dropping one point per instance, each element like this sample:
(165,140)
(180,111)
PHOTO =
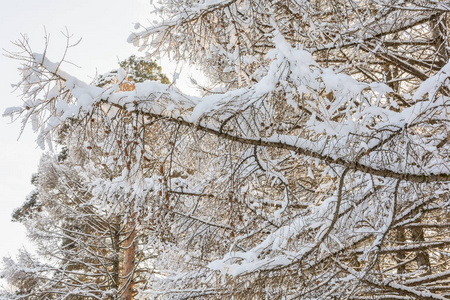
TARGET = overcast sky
(104,26)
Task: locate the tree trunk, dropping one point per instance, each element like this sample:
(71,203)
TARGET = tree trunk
(422,256)
(129,265)
(440,35)
(400,256)
(116,258)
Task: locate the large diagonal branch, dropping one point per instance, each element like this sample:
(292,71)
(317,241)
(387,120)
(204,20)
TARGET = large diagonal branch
(328,158)
(394,60)
(267,142)
(361,42)
(390,285)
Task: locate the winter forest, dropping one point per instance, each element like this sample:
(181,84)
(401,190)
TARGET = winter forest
(313,164)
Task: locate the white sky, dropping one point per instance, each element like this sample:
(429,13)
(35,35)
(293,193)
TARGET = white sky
(104,26)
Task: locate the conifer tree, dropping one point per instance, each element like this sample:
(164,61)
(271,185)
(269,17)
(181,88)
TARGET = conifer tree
(91,253)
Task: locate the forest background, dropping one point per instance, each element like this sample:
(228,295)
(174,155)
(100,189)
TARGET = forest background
(19,157)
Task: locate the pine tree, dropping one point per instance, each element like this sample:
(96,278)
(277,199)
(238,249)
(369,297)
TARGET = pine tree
(91,252)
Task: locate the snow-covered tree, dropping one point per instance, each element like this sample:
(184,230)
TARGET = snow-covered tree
(91,252)
(77,244)
(138,69)
(315,165)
